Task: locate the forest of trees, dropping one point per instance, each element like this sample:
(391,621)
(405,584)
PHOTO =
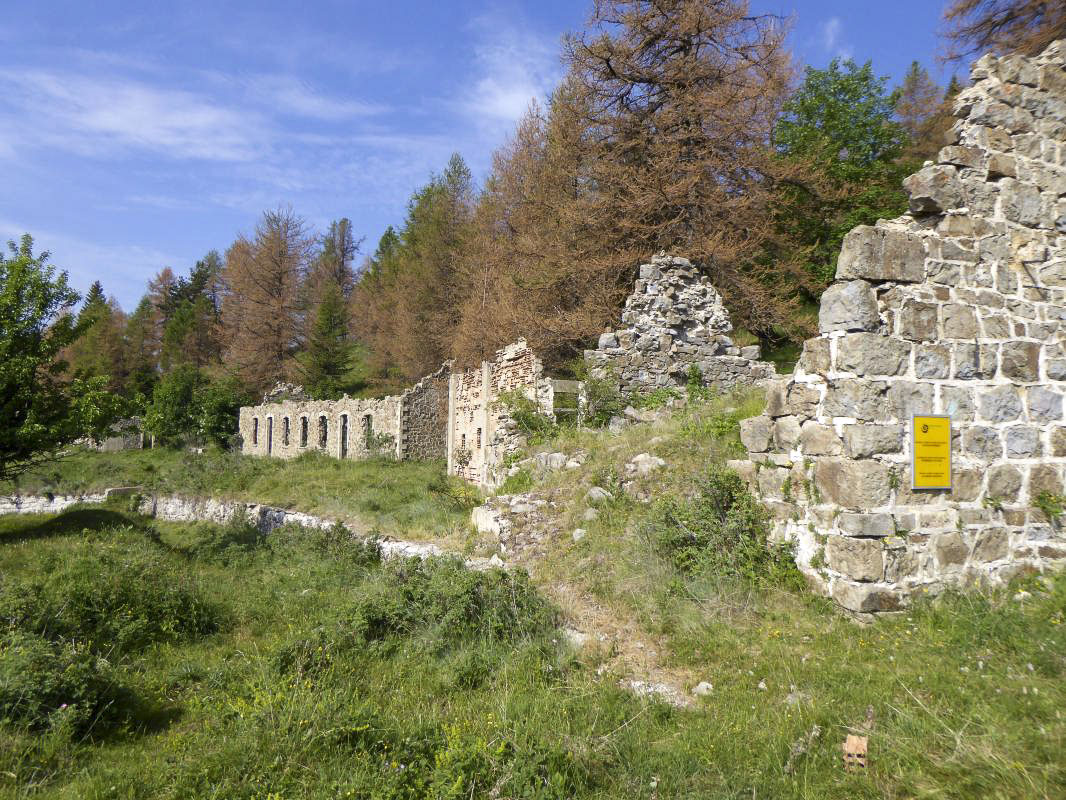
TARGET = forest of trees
(680,125)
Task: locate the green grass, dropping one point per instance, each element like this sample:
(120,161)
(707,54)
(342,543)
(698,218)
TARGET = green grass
(325,674)
(401,498)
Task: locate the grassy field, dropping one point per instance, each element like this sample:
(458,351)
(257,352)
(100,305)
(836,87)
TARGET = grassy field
(142,659)
(402,498)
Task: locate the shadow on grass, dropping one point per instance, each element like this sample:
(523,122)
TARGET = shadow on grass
(29,527)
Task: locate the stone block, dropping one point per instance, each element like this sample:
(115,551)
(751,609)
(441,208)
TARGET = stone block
(866,598)
(861,399)
(815,358)
(958,403)
(1020,202)
(867,525)
(848,306)
(1001,404)
(1001,165)
(881,254)
(1022,441)
(951,549)
(960,322)
(786,432)
(872,354)
(918,321)
(819,440)
(1044,404)
(1021,361)
(607,341)
(1004,483)
(905,398)
(997,326)
(860,559)
(1057,438)
(755,433)
(802,400)
(983,443)
(991,544)
(1044,478)
(853,484)
(776,405)
(863,441)
(772,482)
(966,484)
(974,362)
(932,361)
(934,190)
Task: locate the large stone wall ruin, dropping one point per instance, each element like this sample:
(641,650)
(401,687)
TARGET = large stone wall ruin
(675,319)
(956,308)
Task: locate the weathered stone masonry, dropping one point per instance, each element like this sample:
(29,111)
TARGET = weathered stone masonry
(956,308)
(410,426)
(675,320)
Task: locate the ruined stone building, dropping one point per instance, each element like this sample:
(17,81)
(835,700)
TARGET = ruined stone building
(956,309)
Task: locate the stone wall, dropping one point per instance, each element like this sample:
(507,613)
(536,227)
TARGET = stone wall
(424,417)
(675,319)
(345,428)
(956,308)
(481,432)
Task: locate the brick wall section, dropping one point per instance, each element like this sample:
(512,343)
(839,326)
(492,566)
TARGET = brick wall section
(956,308)
(675,319)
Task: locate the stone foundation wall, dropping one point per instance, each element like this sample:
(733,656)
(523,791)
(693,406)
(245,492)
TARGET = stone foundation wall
(956,308)
(675,319)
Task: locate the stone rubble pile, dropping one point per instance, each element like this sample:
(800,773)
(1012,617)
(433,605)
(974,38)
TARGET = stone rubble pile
(675,319)
(956,308)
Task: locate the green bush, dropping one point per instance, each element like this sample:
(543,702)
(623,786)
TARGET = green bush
(450,602)
(535,426)
(112,599)
(57,685)
(602,401)
(222,544)
(723,530)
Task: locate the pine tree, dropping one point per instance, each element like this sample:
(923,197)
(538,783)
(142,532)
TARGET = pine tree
(328,357)
(919,109)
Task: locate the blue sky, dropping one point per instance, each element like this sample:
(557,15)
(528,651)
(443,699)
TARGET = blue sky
(135,136)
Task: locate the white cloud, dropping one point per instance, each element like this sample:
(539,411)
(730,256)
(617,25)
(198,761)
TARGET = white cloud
(99,115)
(514,66)
(831,33)
(122,269)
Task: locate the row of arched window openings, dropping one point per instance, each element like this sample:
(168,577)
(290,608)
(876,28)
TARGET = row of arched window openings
(322,431)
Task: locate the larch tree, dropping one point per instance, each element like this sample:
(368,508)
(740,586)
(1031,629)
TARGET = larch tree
(1003,26)
(920,106)
(262,312)
(678,99)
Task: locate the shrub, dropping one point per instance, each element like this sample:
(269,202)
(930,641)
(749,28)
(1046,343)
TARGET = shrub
(112,599)
(722,530)
(222,544)
(602,401)
(443,598)
(53,685)
(536,427)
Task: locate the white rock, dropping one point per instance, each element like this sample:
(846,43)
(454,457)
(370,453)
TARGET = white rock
(597,494)
(578,534)
(590,514)
(703,688)
(496,561)
(486,519)
(645,462)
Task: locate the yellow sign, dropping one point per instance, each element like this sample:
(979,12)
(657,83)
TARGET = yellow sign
(930,452)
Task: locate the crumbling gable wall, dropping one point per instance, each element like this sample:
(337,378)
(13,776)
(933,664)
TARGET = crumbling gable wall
(424,416)
(481,432)
(956,309)
(675,319)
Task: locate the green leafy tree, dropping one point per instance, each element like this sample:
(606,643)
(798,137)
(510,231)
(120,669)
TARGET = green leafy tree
(328,357)
(41,409)
(217,404)
(839,123)
(171,416)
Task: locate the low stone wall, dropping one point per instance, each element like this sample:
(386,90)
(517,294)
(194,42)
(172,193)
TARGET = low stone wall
(424,417)
(675,320)
(954,309)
